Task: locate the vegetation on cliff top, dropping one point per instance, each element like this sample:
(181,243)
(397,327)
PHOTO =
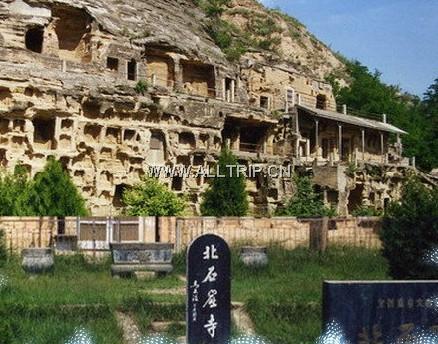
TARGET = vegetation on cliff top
(261,31)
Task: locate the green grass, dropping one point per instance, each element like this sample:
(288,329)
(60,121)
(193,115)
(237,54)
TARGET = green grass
(283,299)
(58,329)
(75,281)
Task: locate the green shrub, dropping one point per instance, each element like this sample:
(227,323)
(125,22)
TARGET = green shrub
(305,201)
(141,87)
(212,8)
(53,193)
(3,250)
(14,191)
(366,211)
(410,232)
(226,196)
(263,26)
(149,197)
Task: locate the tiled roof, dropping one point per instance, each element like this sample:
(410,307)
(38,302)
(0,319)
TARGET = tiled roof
(354,120)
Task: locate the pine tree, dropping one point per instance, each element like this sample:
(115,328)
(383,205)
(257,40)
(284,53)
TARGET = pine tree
(54,194)
(226,196)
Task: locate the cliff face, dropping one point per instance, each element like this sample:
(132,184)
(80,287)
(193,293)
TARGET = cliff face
(111,88)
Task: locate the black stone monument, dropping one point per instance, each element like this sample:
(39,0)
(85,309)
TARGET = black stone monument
(208,291)
(381,312)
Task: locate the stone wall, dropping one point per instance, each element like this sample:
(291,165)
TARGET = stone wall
(96,233)
(289,233)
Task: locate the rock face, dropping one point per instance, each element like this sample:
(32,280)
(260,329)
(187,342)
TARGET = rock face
(111,88)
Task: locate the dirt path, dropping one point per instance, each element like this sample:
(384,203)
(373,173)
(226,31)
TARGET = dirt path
(131,333)
(242,320)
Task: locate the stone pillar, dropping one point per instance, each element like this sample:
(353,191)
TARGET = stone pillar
(224,89)
(233,90)
(237,142)
(178,73)
(297,123)
(308,148)
(363,144)
(297,148)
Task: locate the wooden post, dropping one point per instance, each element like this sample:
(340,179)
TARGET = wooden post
(382,148)
(340,142)
(317,138)
(363,144)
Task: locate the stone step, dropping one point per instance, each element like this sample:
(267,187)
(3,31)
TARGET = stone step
(163,326)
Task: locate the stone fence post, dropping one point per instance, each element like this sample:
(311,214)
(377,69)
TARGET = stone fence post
(318,234)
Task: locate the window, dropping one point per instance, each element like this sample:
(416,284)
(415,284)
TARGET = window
(118,195)
(321,102)
(34,39)
(112,64)
(177,183)
(264,102)
(157,141)
(44,132)
(132,70)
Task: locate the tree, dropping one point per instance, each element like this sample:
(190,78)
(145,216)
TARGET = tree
(151,198)
(14,191)
(53,193)
(410,232)
(305,201)
(367,94)
(429,106)
(226,196)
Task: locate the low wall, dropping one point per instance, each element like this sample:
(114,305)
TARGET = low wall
(288,232)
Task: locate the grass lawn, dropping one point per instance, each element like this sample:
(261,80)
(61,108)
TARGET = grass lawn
(283,299)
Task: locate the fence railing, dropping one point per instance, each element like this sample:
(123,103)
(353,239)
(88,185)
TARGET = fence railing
(94,234)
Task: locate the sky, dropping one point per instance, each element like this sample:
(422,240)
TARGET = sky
(397,37)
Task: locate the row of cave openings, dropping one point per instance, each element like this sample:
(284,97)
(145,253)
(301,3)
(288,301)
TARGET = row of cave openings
(44,133)
(71,30)
(69,33)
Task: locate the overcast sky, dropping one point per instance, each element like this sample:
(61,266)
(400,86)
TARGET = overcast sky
(397,37)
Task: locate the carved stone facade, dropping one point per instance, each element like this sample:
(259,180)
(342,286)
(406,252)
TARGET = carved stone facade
(109,99)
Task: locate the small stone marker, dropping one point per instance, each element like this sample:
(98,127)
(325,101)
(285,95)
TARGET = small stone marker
(208,291)
(381,312)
